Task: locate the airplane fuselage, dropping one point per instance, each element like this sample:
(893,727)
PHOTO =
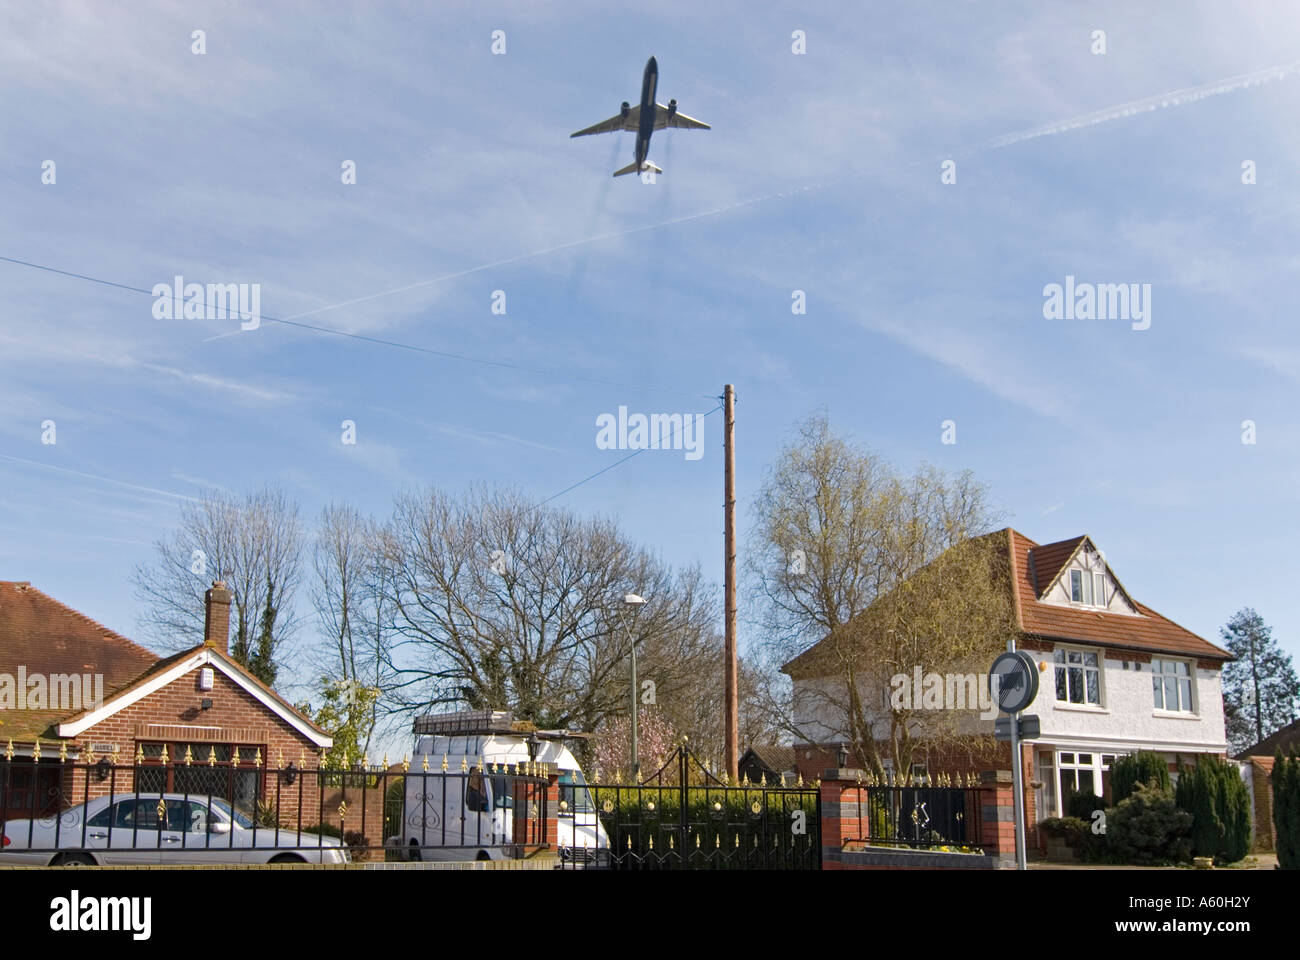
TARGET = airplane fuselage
(643,120)
(649,82)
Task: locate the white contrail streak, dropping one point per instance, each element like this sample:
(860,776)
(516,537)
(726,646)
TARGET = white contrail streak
(1175,98)
(540,253)
(92,476)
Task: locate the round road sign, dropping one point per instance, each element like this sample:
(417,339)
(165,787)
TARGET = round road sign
(1013,681)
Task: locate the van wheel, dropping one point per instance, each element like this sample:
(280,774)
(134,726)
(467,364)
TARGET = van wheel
(415,852)
(483,855)
(74,860)
(287,858)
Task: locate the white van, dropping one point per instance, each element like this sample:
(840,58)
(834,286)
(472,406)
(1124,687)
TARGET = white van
(472,812)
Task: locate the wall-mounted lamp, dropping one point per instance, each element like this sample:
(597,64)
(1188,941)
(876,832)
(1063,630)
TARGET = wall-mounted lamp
(842,757)
(101,769)
(289,774)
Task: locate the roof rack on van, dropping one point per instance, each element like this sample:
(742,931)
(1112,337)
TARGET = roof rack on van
(484,722)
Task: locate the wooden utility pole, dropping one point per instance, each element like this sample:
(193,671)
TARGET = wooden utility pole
(729,503)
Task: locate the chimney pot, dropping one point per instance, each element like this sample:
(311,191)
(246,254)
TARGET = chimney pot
(216,618)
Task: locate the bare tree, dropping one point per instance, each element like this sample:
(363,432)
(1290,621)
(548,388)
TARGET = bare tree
(254,544)
(353,619)
(503,603)
(870,573)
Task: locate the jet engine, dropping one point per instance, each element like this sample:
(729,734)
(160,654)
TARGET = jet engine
(624,109)
(672,107)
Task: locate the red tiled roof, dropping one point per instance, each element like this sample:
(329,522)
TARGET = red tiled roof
(45,636)
(1149,633)
(38,632)
(1046,562)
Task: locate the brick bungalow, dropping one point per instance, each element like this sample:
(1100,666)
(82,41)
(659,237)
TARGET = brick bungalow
(1115,677)
(195,721)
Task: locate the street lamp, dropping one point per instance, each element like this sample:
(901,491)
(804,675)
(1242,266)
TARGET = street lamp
(633,601)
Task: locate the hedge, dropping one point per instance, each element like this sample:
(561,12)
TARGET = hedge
(1286,809)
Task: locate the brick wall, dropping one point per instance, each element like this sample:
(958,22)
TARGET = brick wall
(952,759)
(1262,788)
(174,713)
(844,819)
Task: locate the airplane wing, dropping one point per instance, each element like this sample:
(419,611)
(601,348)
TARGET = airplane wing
(677,119)
(614,123)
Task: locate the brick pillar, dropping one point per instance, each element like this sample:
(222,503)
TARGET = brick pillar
(841,791)
(998,818)
(551,830)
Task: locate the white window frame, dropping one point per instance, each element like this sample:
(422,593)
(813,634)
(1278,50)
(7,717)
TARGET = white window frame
(1089,581)
(1161,675)
(1066,665)
(1099,764)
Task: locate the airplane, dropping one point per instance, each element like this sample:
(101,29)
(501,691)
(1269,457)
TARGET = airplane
(645,118)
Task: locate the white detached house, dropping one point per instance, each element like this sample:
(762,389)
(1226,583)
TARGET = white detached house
(1115,676)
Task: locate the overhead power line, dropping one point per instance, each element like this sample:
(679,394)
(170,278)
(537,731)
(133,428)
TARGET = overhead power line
(635,453)
(364,338)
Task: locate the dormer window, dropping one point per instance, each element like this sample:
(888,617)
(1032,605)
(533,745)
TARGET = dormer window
(1088,588)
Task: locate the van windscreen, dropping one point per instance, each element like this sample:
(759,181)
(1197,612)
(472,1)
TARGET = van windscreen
(573,789)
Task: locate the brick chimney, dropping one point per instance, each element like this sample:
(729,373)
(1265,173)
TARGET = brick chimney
(216,616)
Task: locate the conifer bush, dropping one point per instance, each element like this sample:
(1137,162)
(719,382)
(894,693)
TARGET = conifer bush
(1286,809)
(1213,792)
(1128,771)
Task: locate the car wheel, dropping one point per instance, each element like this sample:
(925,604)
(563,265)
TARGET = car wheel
(483,855)
(415,852)
(287,858)
(74,860)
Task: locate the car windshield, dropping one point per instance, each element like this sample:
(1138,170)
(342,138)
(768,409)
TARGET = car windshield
(573,790)
(224,811)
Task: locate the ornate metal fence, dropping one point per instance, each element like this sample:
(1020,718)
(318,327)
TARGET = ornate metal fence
(237,808)
(924,812)
(686,817)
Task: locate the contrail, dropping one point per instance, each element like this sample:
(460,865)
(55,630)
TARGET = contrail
(1175,98)
(540,253)
(93,476)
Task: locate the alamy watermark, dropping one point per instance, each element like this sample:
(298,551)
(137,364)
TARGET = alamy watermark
(1098,301)
(216,301)
(943,691)
(56,691)
(658,431)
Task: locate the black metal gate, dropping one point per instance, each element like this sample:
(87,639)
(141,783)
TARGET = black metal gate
(684,817)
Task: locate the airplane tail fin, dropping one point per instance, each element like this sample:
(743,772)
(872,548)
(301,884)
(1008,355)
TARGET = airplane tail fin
(633,168)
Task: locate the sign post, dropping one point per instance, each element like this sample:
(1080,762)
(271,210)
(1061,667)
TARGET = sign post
(1013,683)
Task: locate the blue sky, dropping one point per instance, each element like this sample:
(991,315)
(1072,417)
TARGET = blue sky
(821,174)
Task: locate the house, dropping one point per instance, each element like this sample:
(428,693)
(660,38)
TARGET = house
(193,722)
(1115,677)
(768,763)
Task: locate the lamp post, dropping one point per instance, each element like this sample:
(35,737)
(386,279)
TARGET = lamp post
(633,601)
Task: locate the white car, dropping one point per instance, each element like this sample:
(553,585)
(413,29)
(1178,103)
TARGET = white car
(151,828)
